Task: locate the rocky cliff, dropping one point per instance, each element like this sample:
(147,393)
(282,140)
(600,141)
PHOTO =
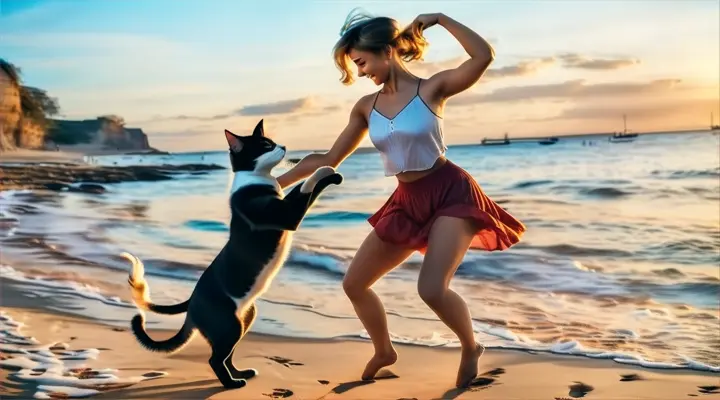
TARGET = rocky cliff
(10,111)
(107,131)
(25,121)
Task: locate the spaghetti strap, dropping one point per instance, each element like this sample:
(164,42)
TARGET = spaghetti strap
(375,101)
(418,87)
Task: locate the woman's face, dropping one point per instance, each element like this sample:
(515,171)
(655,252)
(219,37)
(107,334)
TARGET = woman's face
(372,65)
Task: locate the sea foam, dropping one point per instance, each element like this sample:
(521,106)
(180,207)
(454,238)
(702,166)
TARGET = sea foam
(58,371)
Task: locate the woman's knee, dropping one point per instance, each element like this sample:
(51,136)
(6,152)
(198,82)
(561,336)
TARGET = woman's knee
(431,292)
(373,259)
(354,287)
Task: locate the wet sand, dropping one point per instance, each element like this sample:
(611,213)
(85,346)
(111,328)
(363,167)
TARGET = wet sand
(117,367)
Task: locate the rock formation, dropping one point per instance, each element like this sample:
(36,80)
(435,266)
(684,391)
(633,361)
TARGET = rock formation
(25,121)
(10,111)
(108,131)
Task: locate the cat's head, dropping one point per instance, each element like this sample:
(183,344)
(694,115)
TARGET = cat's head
(254,153)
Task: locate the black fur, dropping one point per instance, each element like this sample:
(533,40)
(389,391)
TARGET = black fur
(261,226)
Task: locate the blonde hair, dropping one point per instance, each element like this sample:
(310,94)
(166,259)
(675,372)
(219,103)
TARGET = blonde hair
(364,32)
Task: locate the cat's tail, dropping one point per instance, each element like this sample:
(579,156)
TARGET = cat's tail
(140,290)
(171,345)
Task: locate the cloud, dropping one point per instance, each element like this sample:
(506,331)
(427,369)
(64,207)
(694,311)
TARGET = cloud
(304,106)
(572,90)
(105,42)
(522,68)
(574,60)
(278,107)
(664,109)
(531,66)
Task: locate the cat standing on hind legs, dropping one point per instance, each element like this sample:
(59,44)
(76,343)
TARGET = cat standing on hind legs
(222,305)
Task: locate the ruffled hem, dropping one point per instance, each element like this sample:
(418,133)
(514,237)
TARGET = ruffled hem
(491,235)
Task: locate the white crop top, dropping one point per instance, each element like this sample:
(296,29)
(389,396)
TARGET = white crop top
(411,141)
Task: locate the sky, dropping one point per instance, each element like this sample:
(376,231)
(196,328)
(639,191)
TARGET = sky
(185,70)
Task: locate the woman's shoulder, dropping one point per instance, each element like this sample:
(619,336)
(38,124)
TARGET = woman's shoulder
(364,104)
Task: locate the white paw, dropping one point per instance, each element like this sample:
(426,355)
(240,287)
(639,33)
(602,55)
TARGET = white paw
(322,172)
(319,173)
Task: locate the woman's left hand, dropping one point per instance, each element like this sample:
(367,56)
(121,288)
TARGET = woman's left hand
(424,21)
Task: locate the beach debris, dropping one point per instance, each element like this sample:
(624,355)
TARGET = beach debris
(323,382)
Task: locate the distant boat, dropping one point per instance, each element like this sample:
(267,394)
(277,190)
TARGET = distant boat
(713,127)
(495,142)
(548,141)
(624,136)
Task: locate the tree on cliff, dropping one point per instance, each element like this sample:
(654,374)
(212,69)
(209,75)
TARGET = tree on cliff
(11,71)
(35,104)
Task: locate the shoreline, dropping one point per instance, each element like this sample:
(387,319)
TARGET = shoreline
(324,368)
(14,297)
(68,154)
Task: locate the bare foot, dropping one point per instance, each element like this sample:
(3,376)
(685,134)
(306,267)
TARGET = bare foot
(469,366)
(377,362)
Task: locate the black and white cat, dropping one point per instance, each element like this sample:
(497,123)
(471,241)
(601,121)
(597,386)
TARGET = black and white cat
(222,305)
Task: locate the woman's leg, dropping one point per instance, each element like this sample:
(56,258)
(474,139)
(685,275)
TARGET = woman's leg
(373,259)
(448,241)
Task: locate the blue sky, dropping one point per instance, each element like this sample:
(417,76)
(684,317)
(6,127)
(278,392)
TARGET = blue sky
(185,70)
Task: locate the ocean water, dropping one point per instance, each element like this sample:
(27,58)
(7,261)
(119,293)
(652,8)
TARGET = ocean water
(621,258)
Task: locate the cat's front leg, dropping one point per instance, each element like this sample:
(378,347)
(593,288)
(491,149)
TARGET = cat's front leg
(309,185)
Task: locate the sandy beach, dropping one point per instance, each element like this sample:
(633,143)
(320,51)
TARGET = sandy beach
(37,156)
(67,154)
(63,356)
(49,350)
(307,369)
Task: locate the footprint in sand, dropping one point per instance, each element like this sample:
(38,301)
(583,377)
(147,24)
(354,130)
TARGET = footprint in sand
(284,361)
(385,374)
(709,389)
(494,372)
(486,379)
(630,378)
(279,393)
(579,390)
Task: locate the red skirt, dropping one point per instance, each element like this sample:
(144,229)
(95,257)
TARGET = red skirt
(407,216)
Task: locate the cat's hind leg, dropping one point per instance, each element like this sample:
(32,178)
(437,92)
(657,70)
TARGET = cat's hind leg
(223,331)
(248,318)
(223,346)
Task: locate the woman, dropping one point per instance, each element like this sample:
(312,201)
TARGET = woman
(437,208)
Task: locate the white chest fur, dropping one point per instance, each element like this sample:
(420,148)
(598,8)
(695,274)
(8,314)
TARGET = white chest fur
(241,179)
(264,279)
(268,272)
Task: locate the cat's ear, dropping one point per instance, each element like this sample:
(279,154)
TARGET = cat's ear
(233,141)
(259,129)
